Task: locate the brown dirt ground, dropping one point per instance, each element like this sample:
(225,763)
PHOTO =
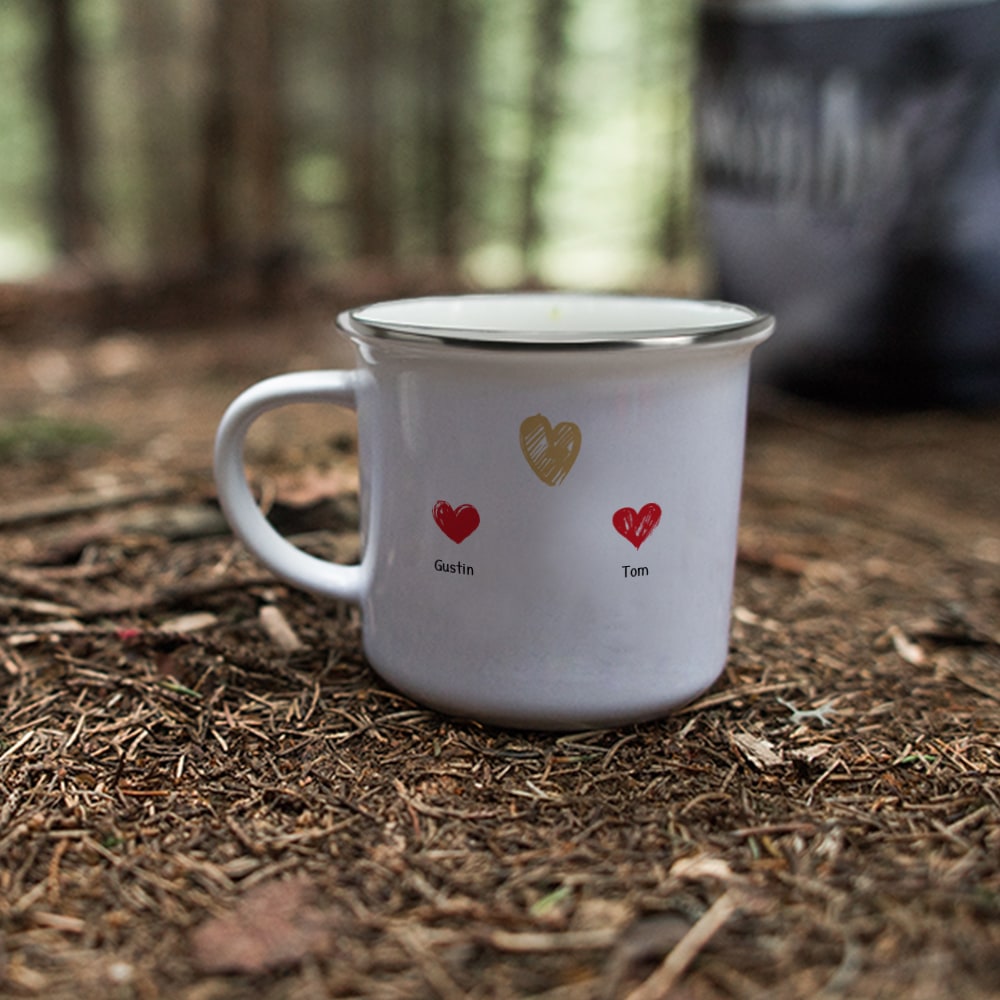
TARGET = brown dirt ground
(190,809)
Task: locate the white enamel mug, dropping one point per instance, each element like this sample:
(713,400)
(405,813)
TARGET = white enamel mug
(550,490)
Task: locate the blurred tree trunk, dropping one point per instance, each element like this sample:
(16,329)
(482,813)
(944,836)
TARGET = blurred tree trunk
(152,36)
(367,160)
(71,211)
(260,136)
(548,57)
(678,226)
(242,190)
(443,46)
(218,136)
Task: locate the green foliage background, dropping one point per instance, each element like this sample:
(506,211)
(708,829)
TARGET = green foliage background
(614,198)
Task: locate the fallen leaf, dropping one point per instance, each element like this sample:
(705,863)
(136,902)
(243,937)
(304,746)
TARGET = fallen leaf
(702,866)
(810,753)
(278,630)
(909,650)
(275,925)
(758,751)
(193,622)
(747,617)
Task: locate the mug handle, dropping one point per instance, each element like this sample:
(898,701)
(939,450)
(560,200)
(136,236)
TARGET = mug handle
(238,504)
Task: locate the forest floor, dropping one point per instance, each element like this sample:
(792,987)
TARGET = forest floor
(205,793)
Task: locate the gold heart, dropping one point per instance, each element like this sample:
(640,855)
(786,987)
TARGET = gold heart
(550,452)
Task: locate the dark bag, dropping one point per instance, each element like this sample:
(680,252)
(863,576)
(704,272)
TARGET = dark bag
(850,159)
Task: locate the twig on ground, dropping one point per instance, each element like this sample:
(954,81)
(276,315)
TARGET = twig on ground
(670,970)
(56,508)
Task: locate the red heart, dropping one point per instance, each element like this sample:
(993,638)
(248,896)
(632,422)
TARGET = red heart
(457,524)
(637,526)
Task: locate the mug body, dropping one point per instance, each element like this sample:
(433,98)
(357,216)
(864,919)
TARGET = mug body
(549,516)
